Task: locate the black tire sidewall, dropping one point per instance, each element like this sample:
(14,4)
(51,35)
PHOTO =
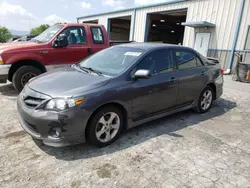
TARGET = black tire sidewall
(90,130)
(20,72)
(199,108)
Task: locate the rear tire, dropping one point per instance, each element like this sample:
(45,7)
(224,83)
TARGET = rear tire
(105,126)
(23,75)
(205,100)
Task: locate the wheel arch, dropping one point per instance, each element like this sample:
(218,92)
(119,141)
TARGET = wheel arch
(27,62)
(213,86)
(116,104)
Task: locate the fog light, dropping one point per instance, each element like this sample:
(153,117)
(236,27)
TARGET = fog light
(56,133)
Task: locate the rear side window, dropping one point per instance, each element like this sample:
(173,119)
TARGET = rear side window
(186,60)
(97,35)
(157,62)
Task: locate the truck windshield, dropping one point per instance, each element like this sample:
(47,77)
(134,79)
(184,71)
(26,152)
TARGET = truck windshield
(48,34)
(112,61)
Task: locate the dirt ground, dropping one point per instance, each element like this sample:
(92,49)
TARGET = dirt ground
(182,150)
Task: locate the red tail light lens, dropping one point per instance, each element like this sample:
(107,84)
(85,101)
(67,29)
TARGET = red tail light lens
(222,71)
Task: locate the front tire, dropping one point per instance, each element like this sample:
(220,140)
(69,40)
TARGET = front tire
(205,100)
(105,126)
(23,75)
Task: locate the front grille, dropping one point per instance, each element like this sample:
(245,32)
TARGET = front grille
(33,99)
(33,102)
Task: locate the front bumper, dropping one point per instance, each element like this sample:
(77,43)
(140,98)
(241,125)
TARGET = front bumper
(41,125)
(4,71)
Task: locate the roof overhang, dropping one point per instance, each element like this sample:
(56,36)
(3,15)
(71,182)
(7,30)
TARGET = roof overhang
(198,24)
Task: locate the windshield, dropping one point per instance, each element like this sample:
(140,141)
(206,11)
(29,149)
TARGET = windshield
(48,33)
(112,61)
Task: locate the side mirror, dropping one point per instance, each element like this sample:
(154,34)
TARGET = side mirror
(61,42)
(142,74)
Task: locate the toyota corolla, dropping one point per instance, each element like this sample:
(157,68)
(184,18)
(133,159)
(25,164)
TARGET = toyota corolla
(116,89)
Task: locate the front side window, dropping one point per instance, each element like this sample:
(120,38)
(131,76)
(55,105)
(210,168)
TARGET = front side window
(112,61)
(75,35)
(157,62)
(97,35)
(48,34)
(247,46)
(186,59)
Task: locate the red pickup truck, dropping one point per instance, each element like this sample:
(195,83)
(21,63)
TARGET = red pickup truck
(58,45)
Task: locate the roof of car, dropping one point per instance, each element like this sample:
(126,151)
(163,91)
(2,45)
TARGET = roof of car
(149,46)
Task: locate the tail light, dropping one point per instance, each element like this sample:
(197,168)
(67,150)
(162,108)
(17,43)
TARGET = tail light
(222,71)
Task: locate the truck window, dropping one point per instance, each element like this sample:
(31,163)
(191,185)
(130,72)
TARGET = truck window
(97,35)
(75,35)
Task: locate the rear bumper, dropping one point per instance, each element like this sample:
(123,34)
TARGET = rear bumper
(41,125)
(4,71)
(219,87)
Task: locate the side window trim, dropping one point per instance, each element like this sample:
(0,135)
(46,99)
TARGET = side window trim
(75,27)
(171,61)
(187,51)
(92,35)
(198,57)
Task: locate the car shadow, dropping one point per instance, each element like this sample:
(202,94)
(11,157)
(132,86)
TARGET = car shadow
(8,90)
(167,125)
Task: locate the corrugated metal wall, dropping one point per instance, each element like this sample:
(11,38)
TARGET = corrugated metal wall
(141,15)
(244,26)
(223,13)
(103,19)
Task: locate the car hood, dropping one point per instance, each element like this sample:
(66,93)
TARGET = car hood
(17,45)
(66,82)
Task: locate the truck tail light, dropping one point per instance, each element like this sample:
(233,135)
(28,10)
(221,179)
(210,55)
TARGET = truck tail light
(222,71)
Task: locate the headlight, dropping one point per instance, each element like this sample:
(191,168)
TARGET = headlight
(62,104)
(1,60)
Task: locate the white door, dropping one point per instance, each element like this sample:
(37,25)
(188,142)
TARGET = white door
(201,43)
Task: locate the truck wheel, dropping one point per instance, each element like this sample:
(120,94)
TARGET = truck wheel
(105,126)
(23,75)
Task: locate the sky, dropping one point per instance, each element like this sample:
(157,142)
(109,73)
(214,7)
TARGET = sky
(22,15)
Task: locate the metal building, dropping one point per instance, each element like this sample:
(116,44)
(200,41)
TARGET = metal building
(215,28)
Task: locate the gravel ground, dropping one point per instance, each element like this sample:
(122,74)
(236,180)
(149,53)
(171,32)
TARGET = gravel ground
(182,150)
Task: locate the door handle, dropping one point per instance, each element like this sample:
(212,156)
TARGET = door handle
(172,79)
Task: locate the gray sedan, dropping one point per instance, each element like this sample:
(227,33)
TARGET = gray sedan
(116,89)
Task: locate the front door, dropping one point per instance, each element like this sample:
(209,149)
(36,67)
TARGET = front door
(202,43)
(154,95)
(76,50)
(192,76)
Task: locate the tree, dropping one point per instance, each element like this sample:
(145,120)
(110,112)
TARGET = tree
(39,30)
(5,35)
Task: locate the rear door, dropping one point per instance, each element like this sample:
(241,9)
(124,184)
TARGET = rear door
(154,95)
(192,76)
(77,48)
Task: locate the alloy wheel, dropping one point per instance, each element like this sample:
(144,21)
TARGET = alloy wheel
(107,127)
(206,100)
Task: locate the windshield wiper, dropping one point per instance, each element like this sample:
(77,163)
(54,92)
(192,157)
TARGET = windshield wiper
(99,73)
(83,69)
